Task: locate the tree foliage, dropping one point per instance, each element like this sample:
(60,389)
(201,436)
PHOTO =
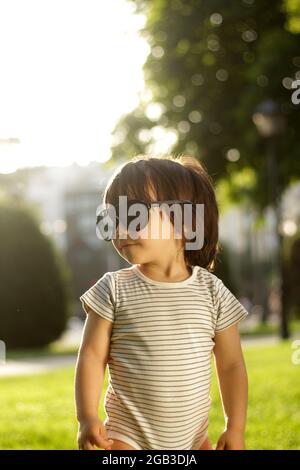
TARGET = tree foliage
(211,63)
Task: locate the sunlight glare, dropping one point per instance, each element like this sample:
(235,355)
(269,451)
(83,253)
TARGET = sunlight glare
(69,69)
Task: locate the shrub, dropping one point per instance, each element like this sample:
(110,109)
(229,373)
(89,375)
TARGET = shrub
(33,282)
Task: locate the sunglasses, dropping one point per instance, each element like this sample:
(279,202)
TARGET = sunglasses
(108,219)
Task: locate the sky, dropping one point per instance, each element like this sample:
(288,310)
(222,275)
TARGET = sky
(68,70)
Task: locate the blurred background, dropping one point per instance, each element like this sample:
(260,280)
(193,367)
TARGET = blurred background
(85,86)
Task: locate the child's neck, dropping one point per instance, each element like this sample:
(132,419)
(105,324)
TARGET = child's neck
(165,273)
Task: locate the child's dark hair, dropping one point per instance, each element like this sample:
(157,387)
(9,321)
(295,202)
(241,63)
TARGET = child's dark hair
(171,177)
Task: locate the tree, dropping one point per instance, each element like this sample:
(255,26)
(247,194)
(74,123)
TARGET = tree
(34,287)
(292,275)
(211,63)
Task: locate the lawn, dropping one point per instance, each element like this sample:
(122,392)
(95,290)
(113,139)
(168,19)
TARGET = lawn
(37,412)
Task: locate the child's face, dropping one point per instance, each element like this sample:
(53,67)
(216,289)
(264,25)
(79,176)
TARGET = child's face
(155,240)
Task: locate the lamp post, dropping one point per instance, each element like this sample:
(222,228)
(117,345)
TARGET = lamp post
(271,125)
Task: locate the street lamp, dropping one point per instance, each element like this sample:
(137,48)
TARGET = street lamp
(271,125)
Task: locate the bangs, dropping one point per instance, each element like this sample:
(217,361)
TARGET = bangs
(149,179)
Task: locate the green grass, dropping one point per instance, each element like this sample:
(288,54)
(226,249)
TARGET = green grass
(38,411)
(268,329)
(274,396)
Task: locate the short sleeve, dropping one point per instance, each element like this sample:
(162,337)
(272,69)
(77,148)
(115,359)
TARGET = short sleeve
(229,309)
(101,297)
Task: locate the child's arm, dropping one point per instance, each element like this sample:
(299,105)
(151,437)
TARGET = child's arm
(89,378)
(233,385)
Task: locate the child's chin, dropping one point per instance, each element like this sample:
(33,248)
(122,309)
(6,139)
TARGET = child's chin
(132,258)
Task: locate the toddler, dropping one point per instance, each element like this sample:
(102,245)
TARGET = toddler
(158,323)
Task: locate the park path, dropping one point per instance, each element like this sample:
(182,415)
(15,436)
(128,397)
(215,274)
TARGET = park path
(35,365)
(38,364)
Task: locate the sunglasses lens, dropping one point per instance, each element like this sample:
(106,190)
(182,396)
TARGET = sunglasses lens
(107,221)
(136,218)
(141,216)
(105,225)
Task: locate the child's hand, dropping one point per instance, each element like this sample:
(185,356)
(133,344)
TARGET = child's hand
(92,432)
(231,439)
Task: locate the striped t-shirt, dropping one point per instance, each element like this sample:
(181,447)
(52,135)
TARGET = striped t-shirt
(160,352)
